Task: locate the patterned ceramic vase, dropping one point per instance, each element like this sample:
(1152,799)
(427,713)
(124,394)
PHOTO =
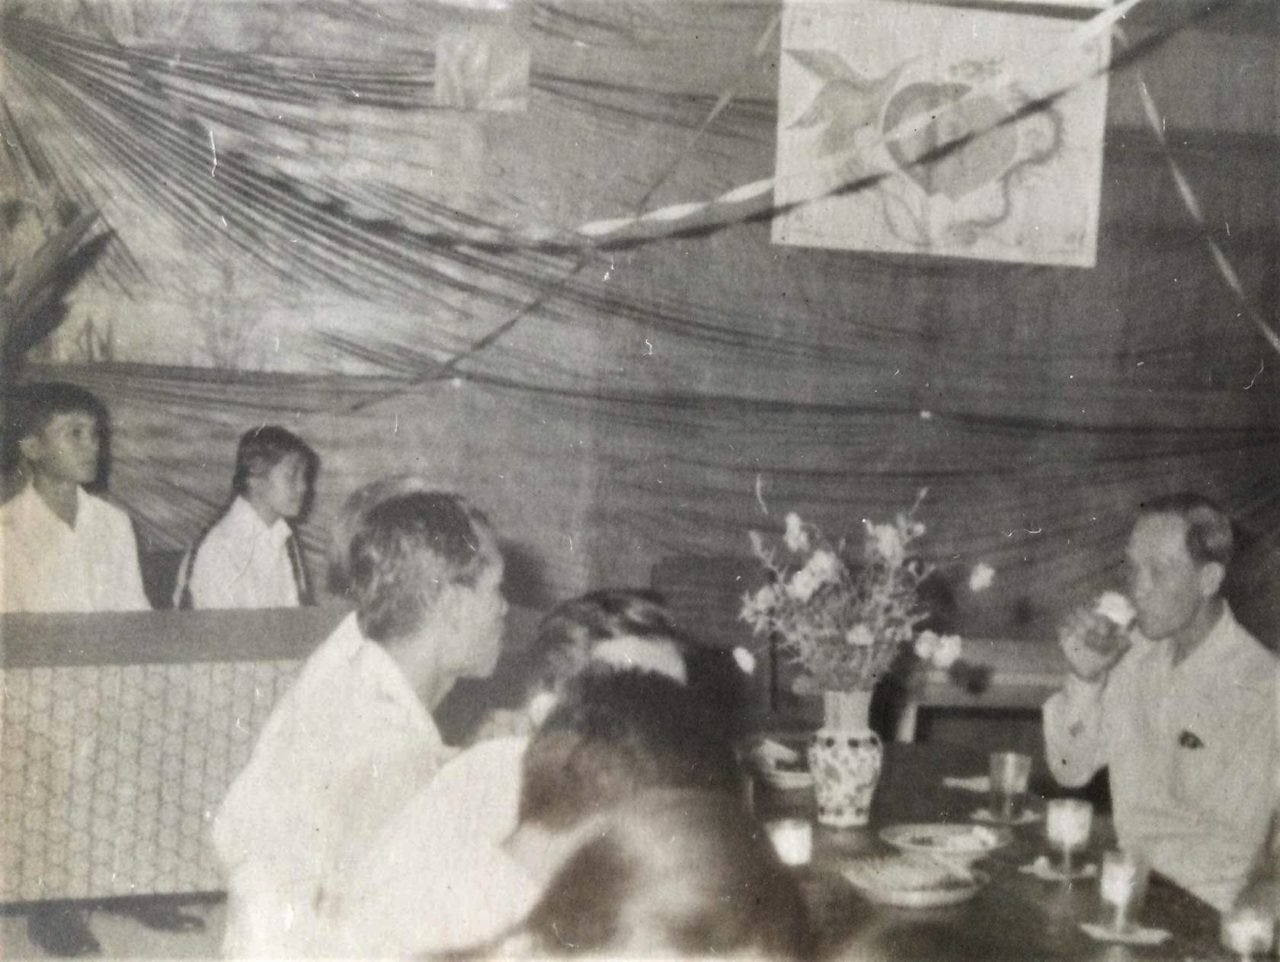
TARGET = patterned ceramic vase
(845,757)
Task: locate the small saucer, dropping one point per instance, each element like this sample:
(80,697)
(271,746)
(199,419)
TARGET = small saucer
(1042,869)
(1028,817)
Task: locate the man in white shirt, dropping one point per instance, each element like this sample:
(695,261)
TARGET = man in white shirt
(1183,713)
(63,548)
(249,557)
(439,877)
(353,739)
(1263,892)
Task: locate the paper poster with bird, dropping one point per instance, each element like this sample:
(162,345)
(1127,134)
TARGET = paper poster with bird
(914,128)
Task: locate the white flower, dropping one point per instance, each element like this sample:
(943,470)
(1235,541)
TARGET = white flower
(803,584)
(796,538)
(860,636)
(755,608)
(745,660)
(981,576)
(887,541)
(948,651)
(824,566)
(1116,608)
(926,645)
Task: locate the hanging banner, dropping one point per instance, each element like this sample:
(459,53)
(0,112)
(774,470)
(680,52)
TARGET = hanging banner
(853,73)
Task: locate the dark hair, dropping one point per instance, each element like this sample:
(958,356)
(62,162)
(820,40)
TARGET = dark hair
(569,632)
(1209,535)
(262,448)
(687,871)
(351,516)
(32,406)
(405,551)
(615,731)
(35,404)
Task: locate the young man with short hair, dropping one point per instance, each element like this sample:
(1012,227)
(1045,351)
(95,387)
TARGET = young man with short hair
(353,739)
(248,557)
(1183,714)
(64,549)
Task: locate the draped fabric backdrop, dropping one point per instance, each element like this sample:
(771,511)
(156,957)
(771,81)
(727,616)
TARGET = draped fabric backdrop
(288,217)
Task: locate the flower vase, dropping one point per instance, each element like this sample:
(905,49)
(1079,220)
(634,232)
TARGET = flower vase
(845,757)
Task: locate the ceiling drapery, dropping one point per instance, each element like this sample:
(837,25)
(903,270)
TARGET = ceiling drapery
(276,182)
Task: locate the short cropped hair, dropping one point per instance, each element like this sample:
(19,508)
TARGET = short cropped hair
(351,517)
(614,732)
(33,406)
(1209,534)
(405,551)
(262,448)
(683,873)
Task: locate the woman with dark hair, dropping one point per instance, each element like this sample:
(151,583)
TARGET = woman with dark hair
(671,874)
(613,733)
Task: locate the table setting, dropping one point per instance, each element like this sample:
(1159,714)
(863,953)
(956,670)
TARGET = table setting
(919,882)
(912,851)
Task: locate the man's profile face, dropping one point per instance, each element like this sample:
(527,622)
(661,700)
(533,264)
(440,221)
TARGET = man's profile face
(1164,580)
(283,488)
(480,617)
(66,448)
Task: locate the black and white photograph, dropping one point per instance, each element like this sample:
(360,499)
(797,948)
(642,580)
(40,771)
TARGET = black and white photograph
(659,479)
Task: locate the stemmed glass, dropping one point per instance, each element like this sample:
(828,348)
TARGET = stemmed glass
(1122,883)
(1248,932)
(1068,822)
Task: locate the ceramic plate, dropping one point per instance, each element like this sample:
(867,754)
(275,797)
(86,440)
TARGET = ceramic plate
(912,881)
(787,780)
(954,841)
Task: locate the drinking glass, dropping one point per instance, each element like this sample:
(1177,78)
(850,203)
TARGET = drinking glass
(1122,884)
(1248,932)
(792,839)
(1009,774)
(1067,825)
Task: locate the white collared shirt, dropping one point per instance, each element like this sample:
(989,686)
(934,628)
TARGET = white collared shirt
(49,565)
(344,749)
(1192,751)
(242,563)
(443,851)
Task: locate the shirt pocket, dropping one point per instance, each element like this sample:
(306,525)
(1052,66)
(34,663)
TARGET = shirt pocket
(1212,771)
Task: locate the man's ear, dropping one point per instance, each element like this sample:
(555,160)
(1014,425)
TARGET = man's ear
(1212,574)
(29,448)
(450,605)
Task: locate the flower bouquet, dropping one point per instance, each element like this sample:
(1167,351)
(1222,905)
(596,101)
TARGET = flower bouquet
(843,613)
(846,614)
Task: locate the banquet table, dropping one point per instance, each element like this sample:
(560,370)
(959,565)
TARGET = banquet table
(1014,916)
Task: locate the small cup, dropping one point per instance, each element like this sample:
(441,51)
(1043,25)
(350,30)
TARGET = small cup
(1009,773)
(792,839)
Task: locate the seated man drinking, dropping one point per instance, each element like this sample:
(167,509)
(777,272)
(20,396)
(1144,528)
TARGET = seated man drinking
(1183,714)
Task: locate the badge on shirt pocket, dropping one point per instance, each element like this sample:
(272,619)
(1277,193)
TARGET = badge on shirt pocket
(1189,739)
